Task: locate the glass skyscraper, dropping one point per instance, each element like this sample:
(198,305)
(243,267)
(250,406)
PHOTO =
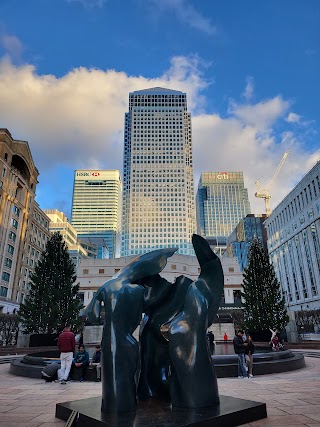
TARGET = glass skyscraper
(249,228)
(222,201)
(158,189)
(96,209)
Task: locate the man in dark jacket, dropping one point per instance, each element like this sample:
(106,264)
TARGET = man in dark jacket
(239,349)
(50,372)
(96,361)
(81,360)
(66,345)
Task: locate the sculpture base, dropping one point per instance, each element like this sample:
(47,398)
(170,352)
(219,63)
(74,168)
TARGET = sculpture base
(150,413)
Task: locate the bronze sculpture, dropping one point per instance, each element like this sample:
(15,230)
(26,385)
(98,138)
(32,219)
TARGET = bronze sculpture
(122,297)
(175,359)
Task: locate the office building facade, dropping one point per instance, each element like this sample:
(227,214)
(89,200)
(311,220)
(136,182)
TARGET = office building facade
(24,227)
(239,242)
(293,231)
(158,189)
(218,244)
(221,202)
(93,273)
(96,209)
(60,223)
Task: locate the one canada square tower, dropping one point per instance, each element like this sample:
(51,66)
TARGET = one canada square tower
(158,190)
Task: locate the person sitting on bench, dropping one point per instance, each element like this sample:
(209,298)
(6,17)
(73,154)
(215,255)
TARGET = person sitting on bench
(81,361)
(96,361)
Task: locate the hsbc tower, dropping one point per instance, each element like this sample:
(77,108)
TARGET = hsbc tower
(96,208)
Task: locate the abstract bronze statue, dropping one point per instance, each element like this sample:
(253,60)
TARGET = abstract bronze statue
(122,297)
(175,361)
(193,382)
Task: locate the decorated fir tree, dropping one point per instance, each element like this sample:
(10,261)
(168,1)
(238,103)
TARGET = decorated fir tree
(53,300)
(264,305)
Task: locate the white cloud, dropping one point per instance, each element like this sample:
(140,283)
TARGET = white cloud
(261,115)
(249,89)
(231,144)
(12,46)
(297,119)
(186,13)
(293,118)
(89,4)
(76,121)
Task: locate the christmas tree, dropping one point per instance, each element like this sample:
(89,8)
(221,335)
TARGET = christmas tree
(264,305)
(53,300)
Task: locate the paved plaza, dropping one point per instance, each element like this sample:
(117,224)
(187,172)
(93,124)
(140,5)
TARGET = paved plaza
(292,398)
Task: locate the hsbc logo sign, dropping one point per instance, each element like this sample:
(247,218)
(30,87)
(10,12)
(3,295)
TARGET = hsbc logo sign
(83,173)
(88,173)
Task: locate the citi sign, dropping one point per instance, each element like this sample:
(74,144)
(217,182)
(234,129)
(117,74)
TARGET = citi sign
(88,173)
(222,175)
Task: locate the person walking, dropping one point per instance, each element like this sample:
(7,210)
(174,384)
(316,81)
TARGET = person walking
(249,350)
(66,346)
(239,348)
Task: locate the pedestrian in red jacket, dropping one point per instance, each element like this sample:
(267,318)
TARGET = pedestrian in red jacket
(66,345)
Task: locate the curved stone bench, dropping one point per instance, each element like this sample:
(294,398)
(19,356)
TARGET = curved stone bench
(29,367)
(225,366)
(263,363)
(17,367)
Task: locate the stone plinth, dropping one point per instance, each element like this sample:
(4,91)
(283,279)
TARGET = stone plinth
(151,413)
(92,334)
(23,340)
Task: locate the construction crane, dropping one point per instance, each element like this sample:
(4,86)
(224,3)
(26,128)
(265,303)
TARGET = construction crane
(264,193)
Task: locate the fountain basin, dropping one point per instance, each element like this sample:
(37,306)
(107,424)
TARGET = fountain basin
(226,364)
(263,363)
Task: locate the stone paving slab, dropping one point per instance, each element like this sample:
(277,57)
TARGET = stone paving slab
(292,398)
(315,416)
(300,410)
(284,420)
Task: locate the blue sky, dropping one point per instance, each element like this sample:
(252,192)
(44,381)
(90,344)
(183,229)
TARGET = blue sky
(250,69)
